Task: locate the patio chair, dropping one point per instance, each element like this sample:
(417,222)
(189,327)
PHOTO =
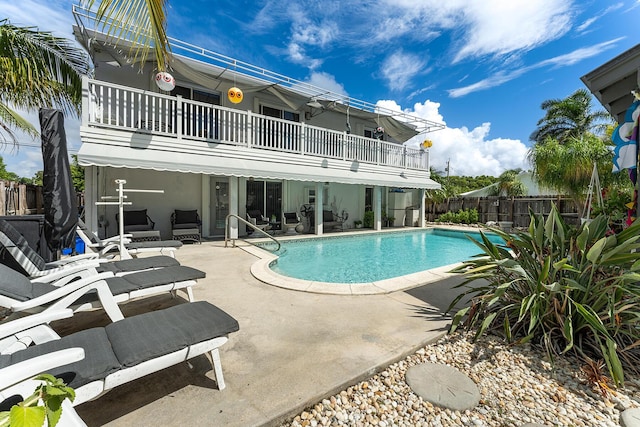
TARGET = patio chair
(19,294)
(186,226)
(106,247)
(256,218)
(34,265)
(290,220)
(127,349)
(139,225)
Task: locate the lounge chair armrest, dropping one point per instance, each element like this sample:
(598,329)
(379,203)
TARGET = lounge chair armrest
(69,271)
(21,371)
(28,322)
(87,283)
(72,259)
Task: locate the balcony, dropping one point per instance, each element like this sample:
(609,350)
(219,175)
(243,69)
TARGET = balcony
(122,108)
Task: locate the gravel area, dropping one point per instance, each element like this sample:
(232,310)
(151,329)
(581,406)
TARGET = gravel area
(517,386)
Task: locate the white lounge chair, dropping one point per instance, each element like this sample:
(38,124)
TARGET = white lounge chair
(21,295)
(124,350)
(33,265)
(106,247)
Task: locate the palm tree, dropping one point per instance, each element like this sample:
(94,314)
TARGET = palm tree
(37,70)
(141,21)
(568,118)
(567,167)
(509,185)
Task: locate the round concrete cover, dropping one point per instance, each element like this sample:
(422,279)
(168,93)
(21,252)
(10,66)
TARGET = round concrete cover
(443,385)
(630,418)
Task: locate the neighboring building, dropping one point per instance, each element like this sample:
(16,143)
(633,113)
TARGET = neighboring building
(286,145)
(533,189)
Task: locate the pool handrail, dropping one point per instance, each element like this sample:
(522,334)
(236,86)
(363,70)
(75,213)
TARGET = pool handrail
(244,221)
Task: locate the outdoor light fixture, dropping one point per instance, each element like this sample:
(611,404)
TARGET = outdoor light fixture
(315,104)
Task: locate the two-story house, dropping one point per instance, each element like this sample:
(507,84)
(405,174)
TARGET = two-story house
(283,145)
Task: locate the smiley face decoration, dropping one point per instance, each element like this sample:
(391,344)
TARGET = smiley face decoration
(235,95)
(426,143)
(165,81)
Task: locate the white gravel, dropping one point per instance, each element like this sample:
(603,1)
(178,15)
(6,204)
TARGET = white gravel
(517,386)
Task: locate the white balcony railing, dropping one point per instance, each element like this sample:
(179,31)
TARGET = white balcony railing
(125,108)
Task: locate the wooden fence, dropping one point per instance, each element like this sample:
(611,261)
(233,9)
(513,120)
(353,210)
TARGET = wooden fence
(24,199)
(513,209)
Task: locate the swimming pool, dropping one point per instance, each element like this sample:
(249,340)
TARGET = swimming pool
(373,257)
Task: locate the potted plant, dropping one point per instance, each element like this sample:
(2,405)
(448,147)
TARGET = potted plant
(357,223)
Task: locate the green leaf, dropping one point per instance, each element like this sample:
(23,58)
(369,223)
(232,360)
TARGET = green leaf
(457,318)
(594,252)
(27,416)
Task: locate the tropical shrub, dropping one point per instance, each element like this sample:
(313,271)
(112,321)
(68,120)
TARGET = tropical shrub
(466,216)
(565,288)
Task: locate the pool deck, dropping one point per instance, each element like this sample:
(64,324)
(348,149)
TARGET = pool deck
(293,348)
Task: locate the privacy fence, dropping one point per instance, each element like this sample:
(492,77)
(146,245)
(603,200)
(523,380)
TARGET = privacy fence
(513,209)
(24,199)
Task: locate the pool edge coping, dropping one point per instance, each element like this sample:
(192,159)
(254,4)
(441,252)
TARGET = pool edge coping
(262,272)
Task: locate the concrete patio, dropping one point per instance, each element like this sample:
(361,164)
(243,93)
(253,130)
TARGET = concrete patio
(293,348)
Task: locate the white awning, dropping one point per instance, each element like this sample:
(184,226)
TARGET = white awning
(284,167)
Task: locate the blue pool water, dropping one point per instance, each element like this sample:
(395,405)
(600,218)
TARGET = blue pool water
(374,256)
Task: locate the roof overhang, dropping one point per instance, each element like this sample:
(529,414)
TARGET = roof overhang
(612,82)
(238,163)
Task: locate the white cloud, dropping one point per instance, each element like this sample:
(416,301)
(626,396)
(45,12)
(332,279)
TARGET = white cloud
(564,60)
(500,27)
(470,152)
(326,81)
(399,68)
(54,16)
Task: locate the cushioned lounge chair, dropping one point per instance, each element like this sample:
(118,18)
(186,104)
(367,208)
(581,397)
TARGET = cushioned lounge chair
(105,247)
(127,349)
(290,220)
(33,265)
(20,294)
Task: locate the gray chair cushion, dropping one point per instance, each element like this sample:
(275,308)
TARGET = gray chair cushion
(186,225)
(186,217)
(136,264)
(17,286)
(155,244)
(99,359)
(138,217)
(146,336)
(163,276)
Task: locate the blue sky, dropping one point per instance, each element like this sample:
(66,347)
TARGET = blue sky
(482,68)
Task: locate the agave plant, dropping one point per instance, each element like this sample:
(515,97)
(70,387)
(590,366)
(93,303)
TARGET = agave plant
(570,289)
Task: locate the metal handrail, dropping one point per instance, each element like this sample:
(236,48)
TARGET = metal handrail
(244,221)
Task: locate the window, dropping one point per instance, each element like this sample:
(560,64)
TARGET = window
(199,120)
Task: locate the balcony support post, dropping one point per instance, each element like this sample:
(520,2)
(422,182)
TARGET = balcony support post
(85,101)
(250,131)
(178,116)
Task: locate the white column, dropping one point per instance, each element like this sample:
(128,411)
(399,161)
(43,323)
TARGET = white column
(423,206)
(318,208)
(90,198)
(234,203)
(377,208)
(205,206)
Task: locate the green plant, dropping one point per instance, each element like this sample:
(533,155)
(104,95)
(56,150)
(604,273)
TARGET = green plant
(467,216)
(52,392)
(563,287)
(367,219)
(357,223)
